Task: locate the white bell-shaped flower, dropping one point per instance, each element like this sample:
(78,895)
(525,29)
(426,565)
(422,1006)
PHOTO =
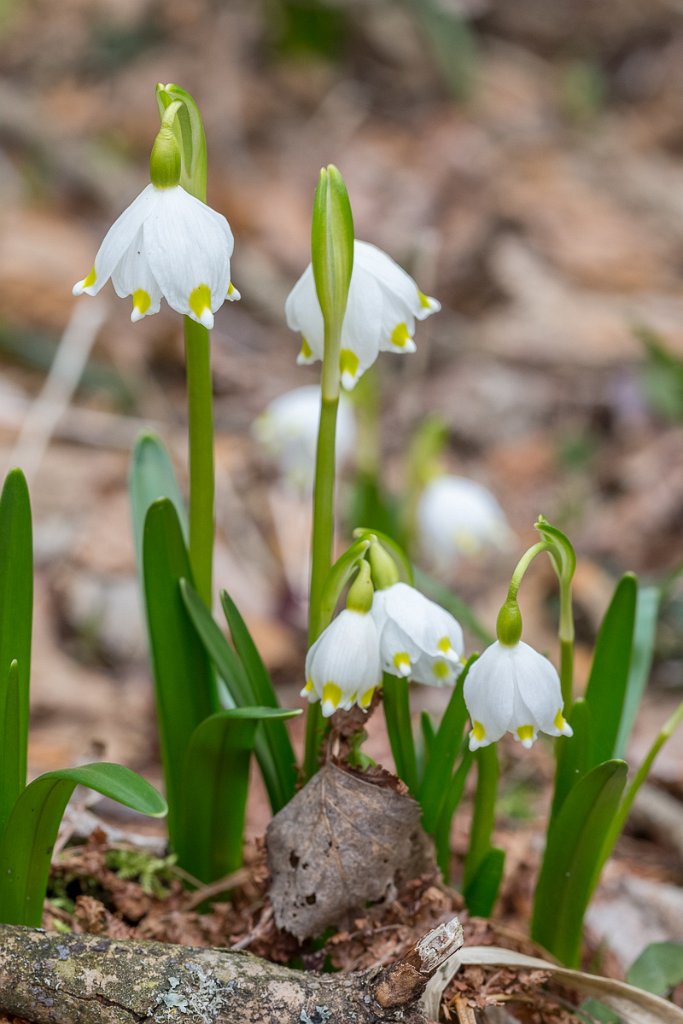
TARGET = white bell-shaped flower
(167,243)
(418,638)
(343,666)
(513,688)
(456,517)
(288,430)
(383,304)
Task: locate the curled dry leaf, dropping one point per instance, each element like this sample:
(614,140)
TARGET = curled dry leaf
(345,839)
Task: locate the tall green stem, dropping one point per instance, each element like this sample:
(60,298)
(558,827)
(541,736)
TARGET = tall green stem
(200,428)
(566,635)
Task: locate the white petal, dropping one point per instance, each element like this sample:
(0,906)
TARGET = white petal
(456,517)
(188,246)
(489,691)
(361,327)
(133,276)
(538,685)
(120,236)
(387,272)
(422,622)
(302,311)
(346,655)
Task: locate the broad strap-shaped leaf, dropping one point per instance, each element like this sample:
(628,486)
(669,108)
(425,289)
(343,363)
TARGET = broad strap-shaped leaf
(16,601)
(151,476)
(26,846)
(214,789)
(274,751)
(574,754)
(606,689)
(647,609)
(183,676)
(12,770)
(454,792)
(396,704)
(573,858)
(484,814)
(482,890)
(442,754)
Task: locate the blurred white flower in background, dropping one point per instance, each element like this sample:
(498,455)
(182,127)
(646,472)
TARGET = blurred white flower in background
(513,688)
(383,304)
(288,430)
(458,517)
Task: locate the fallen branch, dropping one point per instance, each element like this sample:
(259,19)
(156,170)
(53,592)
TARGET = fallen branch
(82,979)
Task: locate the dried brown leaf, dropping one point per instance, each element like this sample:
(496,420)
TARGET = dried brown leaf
(341,842)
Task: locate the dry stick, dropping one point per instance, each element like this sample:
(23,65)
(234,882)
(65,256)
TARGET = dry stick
(86,979)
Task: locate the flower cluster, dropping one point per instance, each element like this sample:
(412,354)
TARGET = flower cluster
(402,633)
(383,304)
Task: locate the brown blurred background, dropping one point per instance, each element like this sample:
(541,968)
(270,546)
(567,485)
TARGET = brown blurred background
(522,160)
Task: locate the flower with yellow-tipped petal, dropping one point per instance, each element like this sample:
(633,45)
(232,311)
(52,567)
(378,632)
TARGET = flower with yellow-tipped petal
(458,517)
(418,638)
(513,688)
(343,665)
(383,304)
(166,244)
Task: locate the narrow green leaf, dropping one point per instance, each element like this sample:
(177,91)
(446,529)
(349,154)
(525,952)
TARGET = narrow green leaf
(337,578)
(12,773)
(151,476)
(573,858)
(214,789)
(274,751)
(183,677)
(484,814)
(16,600)
(424,742)
(606,689)
(443,752)
(396,703)
(647,609)
(658,969)
(26,846)
(574,754)
(482,891)
(454,792)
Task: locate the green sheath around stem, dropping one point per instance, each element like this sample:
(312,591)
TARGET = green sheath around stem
(200,428)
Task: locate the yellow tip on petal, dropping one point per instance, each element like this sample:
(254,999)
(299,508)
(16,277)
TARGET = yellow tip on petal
(308,687)
(400,336)
(348,364)
(366,698)
(525,733)
(478,731)
(401,662)
(141,303)
(441,670)
(200,304)
(87,282)
(424,300)
(332,696)
(562,725)
(445,645)
(233,295)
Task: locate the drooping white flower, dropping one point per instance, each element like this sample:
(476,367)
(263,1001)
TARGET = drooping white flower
(456,517)
(288,430)
(167,243)
(383,304)
(513,688)
(418,638)
(343,665)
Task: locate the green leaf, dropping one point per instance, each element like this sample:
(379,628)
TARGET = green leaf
(606,689)
(454,792)
(442,754)
(647,608)
(274,751)
(593,1010)
(214,789)
(658,969)
(562,552)
(484,813)
(573,858)
(396,703)
(16,602)
(482,891)
(574,754)
(12,771)
(151,476)
(184,683)
(26,846)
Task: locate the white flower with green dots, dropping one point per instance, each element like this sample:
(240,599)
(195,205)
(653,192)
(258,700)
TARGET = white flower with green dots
(383,305)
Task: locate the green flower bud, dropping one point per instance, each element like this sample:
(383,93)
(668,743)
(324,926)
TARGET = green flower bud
(384,571)
(164,162)
(509,624)
(361,591)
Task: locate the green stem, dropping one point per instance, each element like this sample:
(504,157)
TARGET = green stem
(522,566)
(484,811)
(323,533)
(200,427)
(566,636)
(396,704)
